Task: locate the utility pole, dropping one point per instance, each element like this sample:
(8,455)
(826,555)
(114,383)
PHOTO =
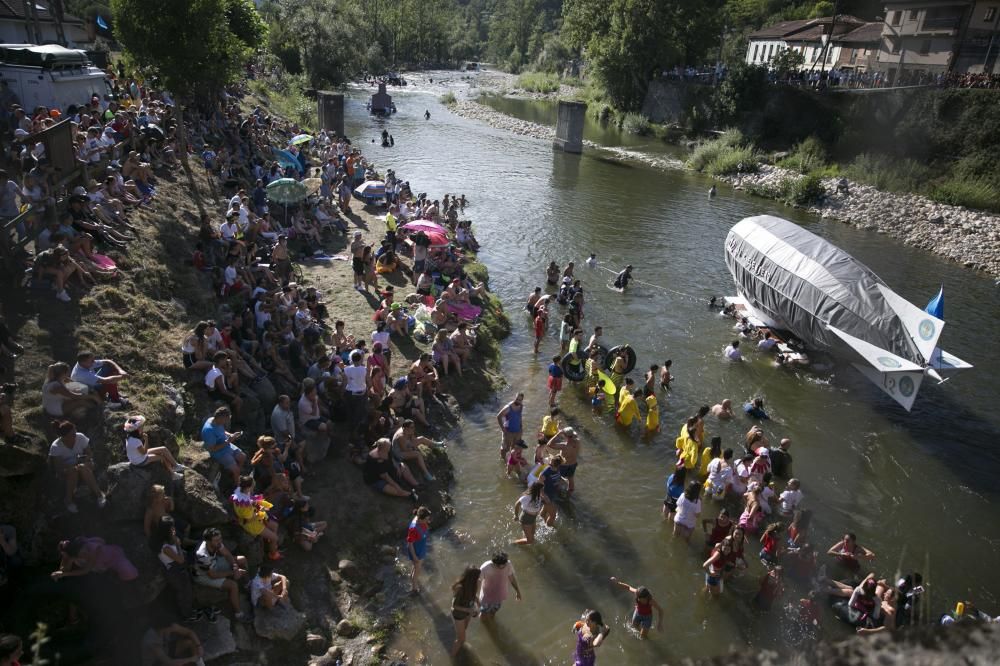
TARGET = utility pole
(826,47)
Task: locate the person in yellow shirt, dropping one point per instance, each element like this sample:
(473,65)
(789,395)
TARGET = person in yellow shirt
(628,408)
(687,446)
(550,426)
(708,454)
(652,413)
(627,388)
(390,225)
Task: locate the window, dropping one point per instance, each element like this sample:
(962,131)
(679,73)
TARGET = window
(991,13)
(925,47)
(894,46)
(897,17)
(756,48)
(770,52)
(913,14)
(854,56)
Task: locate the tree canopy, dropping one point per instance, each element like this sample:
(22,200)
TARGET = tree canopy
(192,46)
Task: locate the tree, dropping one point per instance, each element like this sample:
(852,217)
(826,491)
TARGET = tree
(191,47)
(786,61)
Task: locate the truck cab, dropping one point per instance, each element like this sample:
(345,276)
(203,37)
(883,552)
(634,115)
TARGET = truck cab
(50,75)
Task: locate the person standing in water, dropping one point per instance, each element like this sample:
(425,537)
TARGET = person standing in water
(570,451)
(642,616)
(590,633)
(464,605)
(622,279)
(495,576)
(509,419)
(416,543)
(427,113)
(592,260)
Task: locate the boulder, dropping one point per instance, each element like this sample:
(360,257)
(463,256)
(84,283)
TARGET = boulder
(127,488)
(331,658)
(316,447)
(205,596)
(282,623)
(216,639)
(315,643)
(197,500)
(159,436)
(349,570)
(347,629)
(151,581)
(15,461)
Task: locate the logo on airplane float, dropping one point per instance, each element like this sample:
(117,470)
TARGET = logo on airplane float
(889,362)
(926,329)
(906,386)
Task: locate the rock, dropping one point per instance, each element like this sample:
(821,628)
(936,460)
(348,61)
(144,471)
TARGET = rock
(347,629)
(316,447)
(349,570)
(197,500)
(151,579)
(216,639)
(315,643)
(281,623)
(331,658)
(15,461)
(127,488)
(159,436)
(247,639)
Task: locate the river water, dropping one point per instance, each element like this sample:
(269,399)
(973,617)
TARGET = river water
(920,489)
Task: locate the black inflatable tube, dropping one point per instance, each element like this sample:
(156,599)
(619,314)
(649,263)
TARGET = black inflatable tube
(630,363)
(601,355)
(574,373)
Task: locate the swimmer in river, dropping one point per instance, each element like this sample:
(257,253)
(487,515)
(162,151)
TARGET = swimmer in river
(712,191)
(723,410)
(665,376)
(427,114)
(621,281)
(592,260)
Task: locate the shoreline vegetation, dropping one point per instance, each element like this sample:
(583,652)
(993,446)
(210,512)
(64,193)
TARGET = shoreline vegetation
(881,197)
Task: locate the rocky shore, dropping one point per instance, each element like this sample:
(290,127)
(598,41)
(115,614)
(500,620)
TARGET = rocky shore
(970,237)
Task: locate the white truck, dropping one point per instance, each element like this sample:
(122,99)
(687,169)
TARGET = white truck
(50,75)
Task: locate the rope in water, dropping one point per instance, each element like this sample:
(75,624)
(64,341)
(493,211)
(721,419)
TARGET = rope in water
(698,299)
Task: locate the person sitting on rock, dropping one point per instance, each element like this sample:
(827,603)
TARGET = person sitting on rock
(251,514)
(81,556)
(217,568)
(70,458)
(223,383)
(269,589)
(406,447)
(219,443)
(301,527)
(101,376)
(140,453)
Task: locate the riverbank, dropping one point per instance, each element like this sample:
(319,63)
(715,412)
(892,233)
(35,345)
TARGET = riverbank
(969,237)
(348,591)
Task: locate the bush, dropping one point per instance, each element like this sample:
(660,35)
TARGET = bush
(635,123)
(972,193)
(448,98)
(805,191)
(889,173)
(539,82)
(733,160)
(807,156)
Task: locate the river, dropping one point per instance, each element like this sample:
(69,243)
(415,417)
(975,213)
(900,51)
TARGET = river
(919,488)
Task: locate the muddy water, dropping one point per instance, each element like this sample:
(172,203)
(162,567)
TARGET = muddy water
(920,489)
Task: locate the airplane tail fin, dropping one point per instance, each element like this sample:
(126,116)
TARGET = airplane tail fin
(895,375)
(923,327)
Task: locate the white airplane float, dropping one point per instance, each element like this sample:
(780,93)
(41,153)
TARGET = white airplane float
(792,280)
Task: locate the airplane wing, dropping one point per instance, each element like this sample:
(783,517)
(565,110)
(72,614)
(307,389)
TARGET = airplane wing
(896,376)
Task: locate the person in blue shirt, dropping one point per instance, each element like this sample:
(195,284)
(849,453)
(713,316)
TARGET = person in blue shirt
(675,488)
(219,443)
(555,379)
(755,409)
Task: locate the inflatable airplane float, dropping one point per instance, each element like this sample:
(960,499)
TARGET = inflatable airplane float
(793,280)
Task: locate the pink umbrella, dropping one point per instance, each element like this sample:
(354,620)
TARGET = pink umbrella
(425,225)
(437,239)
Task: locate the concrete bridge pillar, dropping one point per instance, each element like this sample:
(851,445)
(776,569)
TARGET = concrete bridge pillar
(569,126)
(331,111)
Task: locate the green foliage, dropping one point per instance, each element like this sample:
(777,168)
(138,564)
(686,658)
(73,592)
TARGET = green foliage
(972,193)
(191,47)
(517,31)
(807,156)
(786,61)
(889,173)
(742,92)
(448,98)
(806,191)
(635,123)
(627,40)
(725,155)
(540,82)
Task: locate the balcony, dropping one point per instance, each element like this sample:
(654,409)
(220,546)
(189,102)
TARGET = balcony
(945,24)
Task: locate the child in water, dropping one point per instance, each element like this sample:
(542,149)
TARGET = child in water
(516,464)
(642,616)
(590,633)
(665,376)
(555,379)
(652,412)
(597,395)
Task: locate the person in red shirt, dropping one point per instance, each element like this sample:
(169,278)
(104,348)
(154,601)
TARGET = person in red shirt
(771,589)
(771,542)
(541,319)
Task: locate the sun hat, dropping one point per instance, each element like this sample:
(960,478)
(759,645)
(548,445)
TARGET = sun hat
(134,423)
